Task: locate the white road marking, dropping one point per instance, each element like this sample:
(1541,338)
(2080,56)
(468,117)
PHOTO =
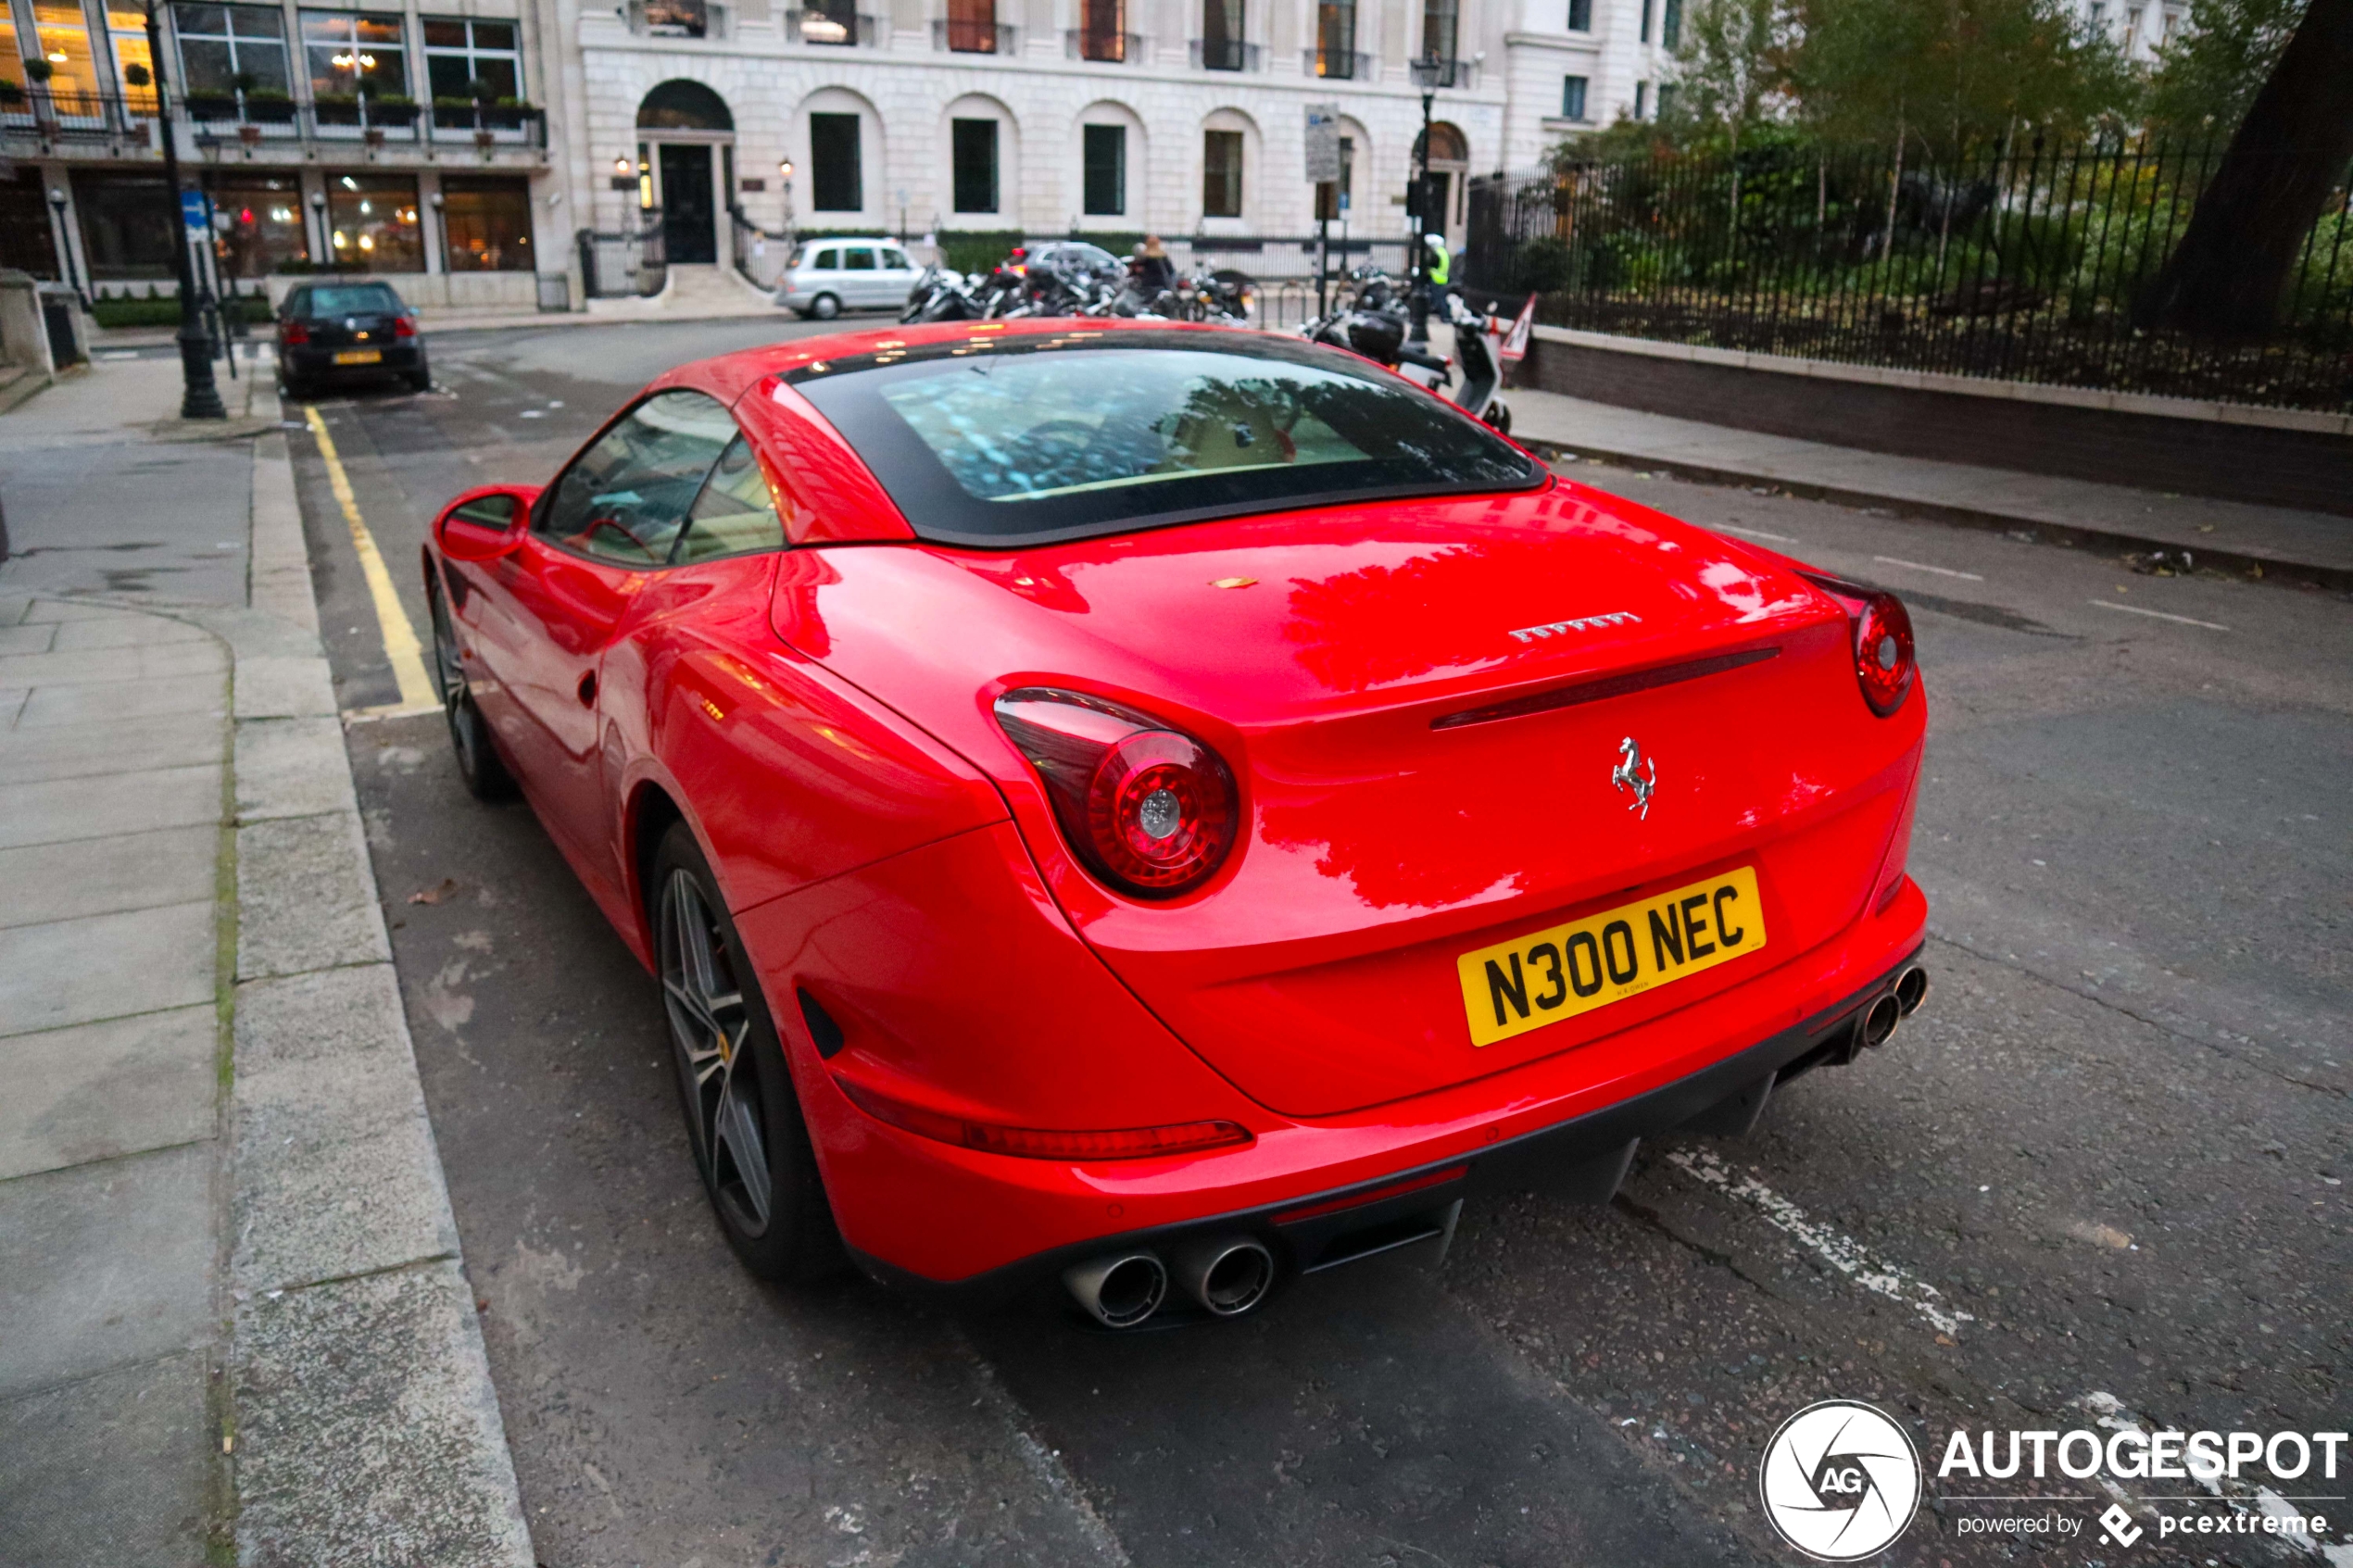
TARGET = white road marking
(2155,614)
(1923,566)
(1755,533)
(1839,1252)
(2112,1414)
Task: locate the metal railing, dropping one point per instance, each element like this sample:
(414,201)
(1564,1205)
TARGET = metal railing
(254,120)
(56,114)
(1337,64)
(2025,263)
(1224,53)
(959,35)
(1110,48)
(759,253)
(840,29)
(621,262)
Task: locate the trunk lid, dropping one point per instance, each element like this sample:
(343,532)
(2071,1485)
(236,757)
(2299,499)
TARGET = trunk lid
(1426,705)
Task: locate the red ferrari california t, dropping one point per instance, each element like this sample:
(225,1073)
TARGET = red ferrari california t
(1145,811)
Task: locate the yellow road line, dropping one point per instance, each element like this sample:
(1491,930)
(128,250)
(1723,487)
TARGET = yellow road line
(400,638)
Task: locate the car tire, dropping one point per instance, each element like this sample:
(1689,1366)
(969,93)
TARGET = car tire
(419,379)
(744,1124)
(825,307)
(293,389)
(479,764)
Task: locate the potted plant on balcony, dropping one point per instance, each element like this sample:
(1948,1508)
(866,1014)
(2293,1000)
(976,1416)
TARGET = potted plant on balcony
(134,76)
(391,108)
(267,105)
(336,108)
(507,114)
(44,104)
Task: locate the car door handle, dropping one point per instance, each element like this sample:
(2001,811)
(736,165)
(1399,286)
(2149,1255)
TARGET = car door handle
(588,689)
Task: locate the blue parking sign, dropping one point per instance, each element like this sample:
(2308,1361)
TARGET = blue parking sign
(192,211)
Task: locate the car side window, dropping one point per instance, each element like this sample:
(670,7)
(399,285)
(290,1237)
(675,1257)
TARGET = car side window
(624,499)
(735,514)
(827,261)
(895,261)
(860,260)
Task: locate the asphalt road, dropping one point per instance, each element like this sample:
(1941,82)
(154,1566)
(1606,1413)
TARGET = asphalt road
(2103,1167)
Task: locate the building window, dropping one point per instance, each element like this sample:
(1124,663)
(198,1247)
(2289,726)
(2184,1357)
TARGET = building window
(129,223)
(1438,30)
(351,56)
(127,31)
(2097,15)
(220,43)
(676,18)
(1335,38)
(1102,30)
(486,223)
(1221,183)
(973,155)
(371,222)
(971,26)
(65,43)
(1665,99)
(461,53)
(1105,158)
(1581,16)
(1670,23)
(257,223)
(834,181)
(1642,100)
(1573,98)
(1221,35)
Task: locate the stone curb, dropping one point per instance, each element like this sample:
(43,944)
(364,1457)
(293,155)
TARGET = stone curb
(2270,567)
(365,1427)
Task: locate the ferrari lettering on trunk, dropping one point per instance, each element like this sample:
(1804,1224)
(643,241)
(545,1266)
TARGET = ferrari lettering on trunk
(1566,970)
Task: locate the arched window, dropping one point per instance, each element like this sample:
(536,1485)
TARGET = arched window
(679,105)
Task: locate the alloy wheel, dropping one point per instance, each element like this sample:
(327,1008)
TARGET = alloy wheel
(709,1035)
(450,674)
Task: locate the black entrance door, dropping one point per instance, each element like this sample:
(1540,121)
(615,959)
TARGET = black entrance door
(687,232)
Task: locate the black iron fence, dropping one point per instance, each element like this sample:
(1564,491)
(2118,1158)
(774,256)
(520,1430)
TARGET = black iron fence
(2021,264)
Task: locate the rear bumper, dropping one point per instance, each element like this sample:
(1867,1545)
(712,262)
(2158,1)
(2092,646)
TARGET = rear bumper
(320,363)
(1581,1158)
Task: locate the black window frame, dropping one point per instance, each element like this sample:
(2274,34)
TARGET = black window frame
(1103,180)
(834,137)
(973,159)
(1576,94)
(1231,176)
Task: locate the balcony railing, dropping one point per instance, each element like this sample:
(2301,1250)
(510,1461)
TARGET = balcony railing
(220,119)
(1095,43)
(840,28)
(1337,64)
(55,114)
(1428,72)
(1224,53)
(958,36)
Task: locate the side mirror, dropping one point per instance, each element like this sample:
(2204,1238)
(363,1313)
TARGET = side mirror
(484,524)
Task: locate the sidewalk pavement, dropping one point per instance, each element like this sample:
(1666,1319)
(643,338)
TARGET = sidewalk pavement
(2234,536)
(233,1314)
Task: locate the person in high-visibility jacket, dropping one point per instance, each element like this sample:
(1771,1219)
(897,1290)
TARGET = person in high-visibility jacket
(1440,263)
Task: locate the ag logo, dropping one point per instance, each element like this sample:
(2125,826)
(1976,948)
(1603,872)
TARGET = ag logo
(1840,1481)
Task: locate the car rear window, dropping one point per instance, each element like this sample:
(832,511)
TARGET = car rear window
(354,299)
(992,441)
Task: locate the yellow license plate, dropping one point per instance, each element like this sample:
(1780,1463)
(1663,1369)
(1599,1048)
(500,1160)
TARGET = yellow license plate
(1558,973)
(360,356)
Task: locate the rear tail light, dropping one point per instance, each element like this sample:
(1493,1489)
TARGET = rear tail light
(404,326)
(1882,642)
(293,332)
(1039,1143)
(1149,808)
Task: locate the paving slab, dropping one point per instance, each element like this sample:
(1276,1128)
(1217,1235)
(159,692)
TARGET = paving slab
(303,900)
(338,1200)
(386,1374)
(108,747)
(98,1091)
(292,768)
(110,804)
(284,687)
(113,1471)
(97,876)
(106,966)
(203,694)
(27,639)
(147,631)
(137,659)
(104,1263)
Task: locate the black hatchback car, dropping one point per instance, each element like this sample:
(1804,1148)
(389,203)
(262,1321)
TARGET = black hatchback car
(349,329)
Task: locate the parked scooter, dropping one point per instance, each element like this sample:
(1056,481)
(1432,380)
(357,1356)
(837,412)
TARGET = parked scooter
(1375,322)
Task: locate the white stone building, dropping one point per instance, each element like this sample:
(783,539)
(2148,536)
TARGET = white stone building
(470,143)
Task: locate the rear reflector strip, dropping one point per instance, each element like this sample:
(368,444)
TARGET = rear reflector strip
(1358,1199)
(1603,687)
(1043,1143)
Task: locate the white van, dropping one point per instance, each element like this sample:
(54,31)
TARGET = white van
(827,277)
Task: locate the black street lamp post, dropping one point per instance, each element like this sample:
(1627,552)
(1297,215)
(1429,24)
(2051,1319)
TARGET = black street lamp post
(200,399)
(1429,73)
(64,245)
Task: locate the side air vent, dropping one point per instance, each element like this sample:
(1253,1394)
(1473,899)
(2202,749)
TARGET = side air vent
(821,1027)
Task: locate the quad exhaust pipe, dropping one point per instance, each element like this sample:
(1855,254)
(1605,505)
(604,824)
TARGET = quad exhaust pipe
(1226,1276)
(1893,1005)
(1119,1289)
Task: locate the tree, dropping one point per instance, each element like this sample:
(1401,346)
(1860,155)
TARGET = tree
(2287,155)
(1728,65)
(2208,75)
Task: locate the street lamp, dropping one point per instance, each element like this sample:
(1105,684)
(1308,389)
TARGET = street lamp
(1430,72)
(784,179)
(65,243)
(199,399)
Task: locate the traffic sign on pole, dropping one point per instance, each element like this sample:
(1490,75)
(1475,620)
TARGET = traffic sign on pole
(1323,144)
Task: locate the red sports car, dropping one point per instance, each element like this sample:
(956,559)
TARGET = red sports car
(1145,811)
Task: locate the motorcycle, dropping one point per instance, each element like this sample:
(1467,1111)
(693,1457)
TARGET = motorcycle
(1374,323)
(941,294)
